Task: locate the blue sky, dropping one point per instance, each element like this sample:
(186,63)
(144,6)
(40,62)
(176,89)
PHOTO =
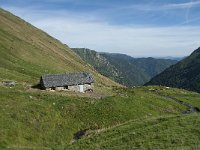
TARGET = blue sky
(139,28)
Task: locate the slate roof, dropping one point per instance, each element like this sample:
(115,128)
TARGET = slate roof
(67,79)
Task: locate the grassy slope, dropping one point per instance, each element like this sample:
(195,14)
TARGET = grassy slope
(33,119)
(180,132)
(27,53)
(169,132)
(39,119)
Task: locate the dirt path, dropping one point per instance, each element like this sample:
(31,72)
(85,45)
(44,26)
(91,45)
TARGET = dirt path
(190,108)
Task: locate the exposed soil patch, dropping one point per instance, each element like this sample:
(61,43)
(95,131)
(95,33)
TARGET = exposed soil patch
(78,135)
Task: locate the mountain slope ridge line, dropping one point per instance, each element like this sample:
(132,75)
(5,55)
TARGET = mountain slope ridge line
(185,74)
(33,53)
(122,68)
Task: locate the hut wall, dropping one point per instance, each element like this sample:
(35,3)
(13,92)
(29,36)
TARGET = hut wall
(59,88)
(88,87)
(74,88)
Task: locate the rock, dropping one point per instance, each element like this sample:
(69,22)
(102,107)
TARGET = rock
(8,83)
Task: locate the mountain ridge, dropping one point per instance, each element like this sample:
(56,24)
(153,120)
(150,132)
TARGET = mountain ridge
(143,117)
(122,68)
(185,74)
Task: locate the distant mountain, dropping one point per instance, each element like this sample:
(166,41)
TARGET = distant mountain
(137,118)
(170,57)
(185,74)
(122,68)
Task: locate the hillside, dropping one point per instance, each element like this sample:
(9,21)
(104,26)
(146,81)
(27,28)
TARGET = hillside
(27,53)
(185,74)
(147,134)
(114,117)
(43,120)
(124,69)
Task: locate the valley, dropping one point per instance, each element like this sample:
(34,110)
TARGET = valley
(112,116)
(124,69)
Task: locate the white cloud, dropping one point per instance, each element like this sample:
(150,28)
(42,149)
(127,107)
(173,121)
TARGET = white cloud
(134,41)
(182,5)
(79,31)
(161,7)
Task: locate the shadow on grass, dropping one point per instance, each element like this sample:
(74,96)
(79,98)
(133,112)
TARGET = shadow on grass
(37,86)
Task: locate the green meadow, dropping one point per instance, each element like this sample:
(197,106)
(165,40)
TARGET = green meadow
(131,118)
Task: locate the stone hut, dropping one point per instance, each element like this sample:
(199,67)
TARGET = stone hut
(80,82)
